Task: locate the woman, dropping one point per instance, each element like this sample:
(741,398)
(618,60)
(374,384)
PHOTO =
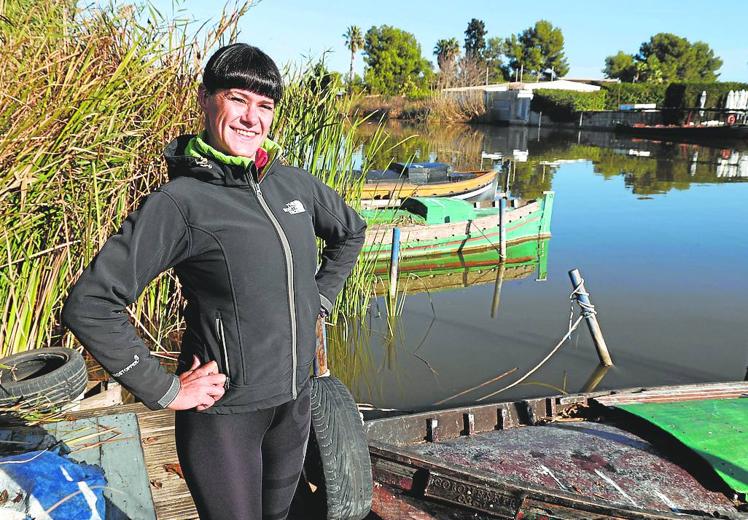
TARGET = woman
(239,229)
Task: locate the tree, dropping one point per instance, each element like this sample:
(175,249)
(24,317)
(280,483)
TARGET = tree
(494,60)
(680,59)
(475,40)
(394,64)
(621,66)
(354,42)
(446,52)
(665,57)
(536,50)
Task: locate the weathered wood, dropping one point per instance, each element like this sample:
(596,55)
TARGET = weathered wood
(401,455)
(590,317)
(503,222)
(496,300)
(171,498)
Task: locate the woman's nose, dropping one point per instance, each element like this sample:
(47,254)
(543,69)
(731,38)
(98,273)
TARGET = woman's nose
(250,115)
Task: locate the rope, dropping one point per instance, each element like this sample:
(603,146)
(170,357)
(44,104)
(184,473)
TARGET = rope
(493,246)
(572,328)
(587,310)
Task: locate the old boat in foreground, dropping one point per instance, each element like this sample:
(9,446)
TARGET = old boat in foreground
(668,452)
(437,226)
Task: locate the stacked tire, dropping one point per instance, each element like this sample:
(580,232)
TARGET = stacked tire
(42,379)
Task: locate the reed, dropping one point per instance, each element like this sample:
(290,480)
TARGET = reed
(88,98)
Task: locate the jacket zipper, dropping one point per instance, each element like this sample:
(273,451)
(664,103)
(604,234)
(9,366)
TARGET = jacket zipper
(222,337)
(289,272)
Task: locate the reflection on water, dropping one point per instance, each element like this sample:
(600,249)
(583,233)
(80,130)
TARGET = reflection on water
(666,269)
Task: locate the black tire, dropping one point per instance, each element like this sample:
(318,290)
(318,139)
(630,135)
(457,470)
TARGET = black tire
(337,459)
(42,378)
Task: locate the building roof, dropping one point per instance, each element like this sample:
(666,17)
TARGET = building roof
(559,84)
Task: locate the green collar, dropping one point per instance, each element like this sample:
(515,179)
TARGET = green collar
(198,147)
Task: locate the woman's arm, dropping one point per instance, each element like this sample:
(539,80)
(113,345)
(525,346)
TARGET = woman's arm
(343,231)
(152,239)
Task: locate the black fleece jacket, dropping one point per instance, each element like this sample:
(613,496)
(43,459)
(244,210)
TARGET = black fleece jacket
(245,254)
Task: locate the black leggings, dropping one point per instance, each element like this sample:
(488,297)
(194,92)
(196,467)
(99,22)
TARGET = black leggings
(244,466)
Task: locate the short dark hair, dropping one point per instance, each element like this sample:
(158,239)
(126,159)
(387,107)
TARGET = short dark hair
(243,66)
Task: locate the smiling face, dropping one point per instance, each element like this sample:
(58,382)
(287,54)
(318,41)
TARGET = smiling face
(237,120)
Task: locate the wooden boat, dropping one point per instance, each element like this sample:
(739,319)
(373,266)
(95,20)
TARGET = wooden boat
(638,453)
(456,270)
(390,187)
(438,226)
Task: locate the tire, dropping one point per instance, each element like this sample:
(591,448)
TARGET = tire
(42,378)
(337,458)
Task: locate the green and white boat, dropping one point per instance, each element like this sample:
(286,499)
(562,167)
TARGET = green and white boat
(441,226)
(448,271)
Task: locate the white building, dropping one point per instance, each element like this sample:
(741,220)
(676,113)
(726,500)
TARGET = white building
(510,102)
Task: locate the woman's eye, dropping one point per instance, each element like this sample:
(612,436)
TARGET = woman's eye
(237,100)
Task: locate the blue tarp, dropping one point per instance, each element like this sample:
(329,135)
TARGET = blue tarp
(36,481)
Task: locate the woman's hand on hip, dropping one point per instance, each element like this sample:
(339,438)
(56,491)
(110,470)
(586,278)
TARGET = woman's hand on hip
(202,386)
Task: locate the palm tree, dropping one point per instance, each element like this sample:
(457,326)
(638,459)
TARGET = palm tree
(446,53)
(354,41)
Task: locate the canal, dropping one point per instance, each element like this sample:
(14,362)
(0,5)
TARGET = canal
(659,233)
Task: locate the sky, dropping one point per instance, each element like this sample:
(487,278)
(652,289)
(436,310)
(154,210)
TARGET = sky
(293,30)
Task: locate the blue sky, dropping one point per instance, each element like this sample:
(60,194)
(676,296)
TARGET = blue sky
(289,30)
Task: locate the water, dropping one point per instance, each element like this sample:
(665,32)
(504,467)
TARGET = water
(658,232)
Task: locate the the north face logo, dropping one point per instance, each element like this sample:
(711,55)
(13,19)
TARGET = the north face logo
(294,207)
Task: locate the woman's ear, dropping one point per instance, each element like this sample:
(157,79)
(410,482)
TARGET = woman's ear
(202,97)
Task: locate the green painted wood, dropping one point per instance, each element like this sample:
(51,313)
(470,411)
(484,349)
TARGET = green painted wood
(111,442)
(715,429)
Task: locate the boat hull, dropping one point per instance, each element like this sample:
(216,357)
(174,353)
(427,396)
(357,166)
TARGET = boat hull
(385,192)
(528,222)
(540,456)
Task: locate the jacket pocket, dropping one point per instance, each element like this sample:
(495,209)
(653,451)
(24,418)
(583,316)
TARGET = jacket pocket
(220,334)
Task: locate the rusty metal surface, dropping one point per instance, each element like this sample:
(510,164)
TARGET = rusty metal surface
(590,459)
(391,504)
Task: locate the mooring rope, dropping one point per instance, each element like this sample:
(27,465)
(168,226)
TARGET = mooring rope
(586,311)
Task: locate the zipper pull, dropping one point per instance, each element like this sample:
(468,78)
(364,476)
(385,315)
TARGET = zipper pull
(226,383)
(255,185)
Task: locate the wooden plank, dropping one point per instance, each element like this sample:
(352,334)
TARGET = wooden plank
(171,498)
(679,393)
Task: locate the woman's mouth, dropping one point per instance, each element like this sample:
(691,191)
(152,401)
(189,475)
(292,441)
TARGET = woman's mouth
(245,133)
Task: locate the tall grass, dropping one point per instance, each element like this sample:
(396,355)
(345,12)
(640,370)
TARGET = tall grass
(88,99)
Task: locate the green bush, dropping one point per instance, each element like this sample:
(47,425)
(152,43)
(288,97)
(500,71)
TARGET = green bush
(561,105)
(686,95)
(633,93)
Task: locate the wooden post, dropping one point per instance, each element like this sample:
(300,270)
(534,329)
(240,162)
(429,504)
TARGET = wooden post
(320,362)
(583,301)
(497,289)
(595,378)
(394,268)
(502,228)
